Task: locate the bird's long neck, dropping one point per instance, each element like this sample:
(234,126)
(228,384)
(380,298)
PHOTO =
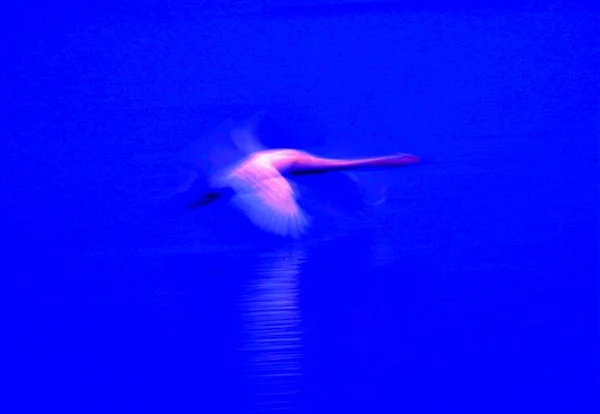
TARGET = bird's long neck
(315,165)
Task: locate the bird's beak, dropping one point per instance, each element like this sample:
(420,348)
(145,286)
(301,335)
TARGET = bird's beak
(407,159)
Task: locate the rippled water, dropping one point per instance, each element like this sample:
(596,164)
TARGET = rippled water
(462,288)
(273,334)
(443,296)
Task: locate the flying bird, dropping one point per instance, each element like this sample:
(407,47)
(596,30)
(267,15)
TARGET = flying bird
(259,181)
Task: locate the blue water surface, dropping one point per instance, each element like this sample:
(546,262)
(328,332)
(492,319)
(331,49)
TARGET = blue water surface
(471,288)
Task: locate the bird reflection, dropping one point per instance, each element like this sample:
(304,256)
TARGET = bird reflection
(272,325)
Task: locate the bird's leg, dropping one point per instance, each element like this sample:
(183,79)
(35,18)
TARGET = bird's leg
(205,199)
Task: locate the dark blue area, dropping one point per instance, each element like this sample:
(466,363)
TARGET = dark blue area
(472,288)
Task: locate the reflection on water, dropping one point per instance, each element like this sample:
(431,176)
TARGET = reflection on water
(273,334)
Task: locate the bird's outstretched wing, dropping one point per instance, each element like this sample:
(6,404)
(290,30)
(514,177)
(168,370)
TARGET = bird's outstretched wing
(268,199)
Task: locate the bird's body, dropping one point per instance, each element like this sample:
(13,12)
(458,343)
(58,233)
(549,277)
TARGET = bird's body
(260,187)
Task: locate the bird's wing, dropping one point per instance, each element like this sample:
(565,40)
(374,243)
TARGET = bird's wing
(245,136)
(268,199)
(222,147)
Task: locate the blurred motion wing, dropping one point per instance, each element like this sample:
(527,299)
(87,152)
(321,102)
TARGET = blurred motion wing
(222,147)
(268,200)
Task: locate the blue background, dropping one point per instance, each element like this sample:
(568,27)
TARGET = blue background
(471,289)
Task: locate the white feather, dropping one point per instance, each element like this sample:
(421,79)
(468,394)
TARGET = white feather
(267,198)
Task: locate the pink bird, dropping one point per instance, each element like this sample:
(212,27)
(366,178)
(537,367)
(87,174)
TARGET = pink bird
(260,187)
